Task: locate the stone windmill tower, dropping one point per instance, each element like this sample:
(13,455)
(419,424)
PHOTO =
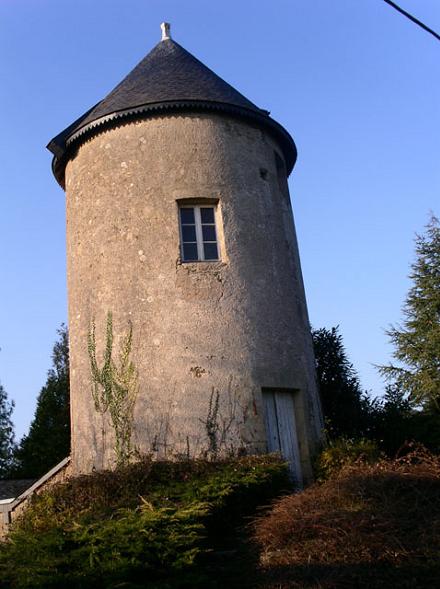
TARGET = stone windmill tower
(179,224)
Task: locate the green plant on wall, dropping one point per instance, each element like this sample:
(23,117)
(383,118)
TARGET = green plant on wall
(218,424)
(115,387)
(211,423)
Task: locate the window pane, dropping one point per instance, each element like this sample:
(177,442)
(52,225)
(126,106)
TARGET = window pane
(211,252)
(189,233)
(190,251)
(207,214)
(208,232)
(187,215)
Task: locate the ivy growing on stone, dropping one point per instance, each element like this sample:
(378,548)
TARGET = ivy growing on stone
(115,388)
(211,423)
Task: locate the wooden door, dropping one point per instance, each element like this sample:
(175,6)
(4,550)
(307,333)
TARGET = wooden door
(281,429)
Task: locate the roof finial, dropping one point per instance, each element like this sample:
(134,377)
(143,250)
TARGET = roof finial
(165,26)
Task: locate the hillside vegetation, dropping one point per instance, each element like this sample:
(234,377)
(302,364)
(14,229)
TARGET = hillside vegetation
(159,525)
(164,525)
(370,525)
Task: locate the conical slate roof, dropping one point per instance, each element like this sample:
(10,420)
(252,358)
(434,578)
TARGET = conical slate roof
(169,78)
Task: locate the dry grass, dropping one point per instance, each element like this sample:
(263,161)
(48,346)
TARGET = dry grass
(368,526)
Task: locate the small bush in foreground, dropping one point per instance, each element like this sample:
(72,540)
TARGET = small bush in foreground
(343,451)
(370,525)
(145,525)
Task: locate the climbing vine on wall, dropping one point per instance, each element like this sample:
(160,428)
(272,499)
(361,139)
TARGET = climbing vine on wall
(218,424)
(115,387)
(211,424)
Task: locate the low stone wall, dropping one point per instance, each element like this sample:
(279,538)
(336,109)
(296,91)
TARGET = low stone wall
(9,512)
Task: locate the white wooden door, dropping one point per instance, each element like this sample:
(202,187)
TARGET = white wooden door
(281,430)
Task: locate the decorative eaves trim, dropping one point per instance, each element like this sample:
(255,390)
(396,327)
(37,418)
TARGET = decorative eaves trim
(143,111)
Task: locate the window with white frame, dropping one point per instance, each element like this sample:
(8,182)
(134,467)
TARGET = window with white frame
(198,235)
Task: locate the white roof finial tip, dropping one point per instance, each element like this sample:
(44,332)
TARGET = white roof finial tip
(165,27)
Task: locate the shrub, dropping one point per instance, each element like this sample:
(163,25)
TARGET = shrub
(369,525)
(344,451)
(148,524)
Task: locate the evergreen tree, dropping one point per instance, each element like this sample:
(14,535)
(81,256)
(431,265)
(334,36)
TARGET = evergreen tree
(346,407)
(48,440)
(393,420)
(6,434)
(417,341)
(395,423)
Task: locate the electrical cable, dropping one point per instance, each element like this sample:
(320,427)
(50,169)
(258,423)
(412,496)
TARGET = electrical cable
(413,19)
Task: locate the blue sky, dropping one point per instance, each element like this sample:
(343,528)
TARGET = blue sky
(355,83)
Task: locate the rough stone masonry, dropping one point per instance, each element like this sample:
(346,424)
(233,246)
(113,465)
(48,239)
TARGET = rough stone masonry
(219,344)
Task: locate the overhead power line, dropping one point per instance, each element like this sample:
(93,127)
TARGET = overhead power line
(413,19)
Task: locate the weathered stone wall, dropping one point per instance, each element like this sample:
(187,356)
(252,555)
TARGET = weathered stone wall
(232,326)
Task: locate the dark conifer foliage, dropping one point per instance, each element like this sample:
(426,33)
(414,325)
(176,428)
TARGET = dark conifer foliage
(48,440)
(391,421)
(395,423)
(417,341)
(6,434)
(346,407)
